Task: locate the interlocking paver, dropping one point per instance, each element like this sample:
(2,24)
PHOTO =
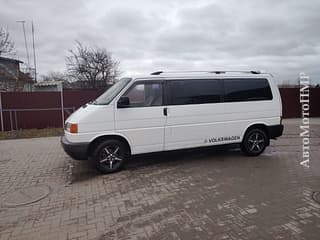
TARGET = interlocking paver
(202,194)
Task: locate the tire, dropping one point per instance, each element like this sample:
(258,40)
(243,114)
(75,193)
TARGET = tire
(255,142)
(110,155)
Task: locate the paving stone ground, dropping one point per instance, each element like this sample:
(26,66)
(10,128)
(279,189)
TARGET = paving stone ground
(203,194)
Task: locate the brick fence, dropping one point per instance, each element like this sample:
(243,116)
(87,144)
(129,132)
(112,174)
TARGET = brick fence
(23,110)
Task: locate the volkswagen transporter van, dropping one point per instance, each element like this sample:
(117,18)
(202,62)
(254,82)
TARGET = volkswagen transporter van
(175,110)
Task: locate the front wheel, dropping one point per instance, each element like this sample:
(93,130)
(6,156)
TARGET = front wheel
(254,142)
(110,155)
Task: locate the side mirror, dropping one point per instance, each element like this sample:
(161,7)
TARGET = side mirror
(123,102)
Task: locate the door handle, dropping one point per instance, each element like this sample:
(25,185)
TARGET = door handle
(165,111)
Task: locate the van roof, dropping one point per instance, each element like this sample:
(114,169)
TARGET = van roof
(206,74)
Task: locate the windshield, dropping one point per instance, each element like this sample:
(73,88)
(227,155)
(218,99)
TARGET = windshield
(113,91)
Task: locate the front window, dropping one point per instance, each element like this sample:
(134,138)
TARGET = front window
(112,92)
(145,94)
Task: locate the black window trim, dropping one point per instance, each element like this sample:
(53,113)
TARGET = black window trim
(166,90)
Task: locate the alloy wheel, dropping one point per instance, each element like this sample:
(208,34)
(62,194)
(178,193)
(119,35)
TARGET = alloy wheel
(256,142)
(111,156)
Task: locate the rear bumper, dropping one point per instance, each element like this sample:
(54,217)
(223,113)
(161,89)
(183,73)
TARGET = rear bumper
(78,151)
(275,131)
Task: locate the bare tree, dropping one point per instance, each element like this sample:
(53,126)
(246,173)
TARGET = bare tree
(6,43)
(93,65)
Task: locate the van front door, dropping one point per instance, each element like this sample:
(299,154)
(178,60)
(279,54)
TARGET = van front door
(195,114)
(142,120)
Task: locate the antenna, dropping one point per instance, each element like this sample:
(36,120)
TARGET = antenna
(25,41)
(34,54)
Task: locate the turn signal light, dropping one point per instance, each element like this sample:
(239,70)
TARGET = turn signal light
(73,128)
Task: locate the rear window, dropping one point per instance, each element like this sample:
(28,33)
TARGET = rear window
(198,91)
(238,90)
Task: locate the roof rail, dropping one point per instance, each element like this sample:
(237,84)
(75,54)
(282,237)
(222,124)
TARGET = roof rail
(210,71)
(156,73)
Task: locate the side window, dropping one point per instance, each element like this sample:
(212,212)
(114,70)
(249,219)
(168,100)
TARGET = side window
(239,90)
(197,91)
(145,94)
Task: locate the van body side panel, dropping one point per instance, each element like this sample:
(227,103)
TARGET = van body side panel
(194,125)
(241,115)
(143,126)
(277,96)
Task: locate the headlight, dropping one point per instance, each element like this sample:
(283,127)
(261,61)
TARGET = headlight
(71,127)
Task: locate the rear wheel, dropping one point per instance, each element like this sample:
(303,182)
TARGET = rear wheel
(110,155)
(254,142)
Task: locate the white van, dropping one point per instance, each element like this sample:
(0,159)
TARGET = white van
(175,110)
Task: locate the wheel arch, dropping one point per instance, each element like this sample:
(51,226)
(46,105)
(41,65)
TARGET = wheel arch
(102,138)
(261,126)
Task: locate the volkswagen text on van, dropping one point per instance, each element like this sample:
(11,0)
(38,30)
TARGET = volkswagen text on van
(175,110)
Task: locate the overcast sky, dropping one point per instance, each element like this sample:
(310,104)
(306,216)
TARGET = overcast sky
(282,37)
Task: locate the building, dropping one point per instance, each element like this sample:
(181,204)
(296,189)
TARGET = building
(47,86)
(11,77)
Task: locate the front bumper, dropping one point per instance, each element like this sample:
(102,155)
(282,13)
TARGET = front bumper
(275,131)
(78,151)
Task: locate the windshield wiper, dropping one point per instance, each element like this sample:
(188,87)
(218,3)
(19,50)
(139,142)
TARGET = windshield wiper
(93,102)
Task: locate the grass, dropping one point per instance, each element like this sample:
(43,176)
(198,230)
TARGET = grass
(31,133)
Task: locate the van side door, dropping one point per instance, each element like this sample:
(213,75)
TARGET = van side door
(142,121)
(195,113)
